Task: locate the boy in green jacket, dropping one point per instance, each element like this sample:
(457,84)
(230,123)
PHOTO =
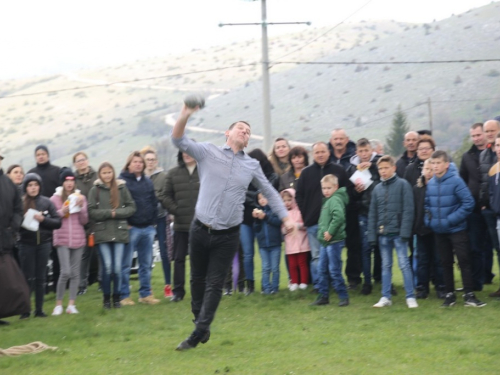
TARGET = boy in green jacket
(331,235)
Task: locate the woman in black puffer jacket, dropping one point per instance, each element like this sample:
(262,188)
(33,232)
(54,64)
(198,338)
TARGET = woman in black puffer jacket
(35,246)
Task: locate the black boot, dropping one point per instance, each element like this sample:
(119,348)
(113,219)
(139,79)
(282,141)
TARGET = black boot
(107,302)
(250,287)
(116,301)
(241,286)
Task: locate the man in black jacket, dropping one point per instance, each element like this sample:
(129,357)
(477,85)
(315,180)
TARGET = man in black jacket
(477,226)
(309,197)
(341,148)
(11,215)
(410,155)
(487,159)
(48,172)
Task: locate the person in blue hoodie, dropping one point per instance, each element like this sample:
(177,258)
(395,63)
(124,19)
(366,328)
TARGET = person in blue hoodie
(267,228)
(448,203)
(142,229)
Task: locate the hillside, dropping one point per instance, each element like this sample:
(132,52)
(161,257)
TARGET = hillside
(308,101)
(110,121)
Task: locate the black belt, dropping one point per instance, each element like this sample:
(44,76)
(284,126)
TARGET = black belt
(217,231)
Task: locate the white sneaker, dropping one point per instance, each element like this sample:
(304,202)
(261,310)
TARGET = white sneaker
(71,309)
(412,303)
(294,287)
(58,310)
(303,286)
(384,301)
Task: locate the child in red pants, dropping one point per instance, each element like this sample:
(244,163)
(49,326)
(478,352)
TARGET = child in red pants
(296,244)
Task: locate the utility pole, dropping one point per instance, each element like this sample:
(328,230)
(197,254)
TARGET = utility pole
(266,93)
(430,113)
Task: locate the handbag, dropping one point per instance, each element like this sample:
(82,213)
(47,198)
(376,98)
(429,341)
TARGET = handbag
(14,290)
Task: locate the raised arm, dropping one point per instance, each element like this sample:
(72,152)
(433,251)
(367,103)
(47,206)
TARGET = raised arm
(182,120)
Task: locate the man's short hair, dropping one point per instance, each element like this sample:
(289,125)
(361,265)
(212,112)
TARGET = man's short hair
(330,178)
(477,125)
(319,143)
(387,159)
(363,142)
(440,154)
(426,139)
(234,123)
(498,135)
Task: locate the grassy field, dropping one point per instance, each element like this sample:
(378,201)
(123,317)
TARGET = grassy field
(279,334)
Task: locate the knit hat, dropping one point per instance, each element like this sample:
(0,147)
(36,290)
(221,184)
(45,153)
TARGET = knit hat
(66,174)
(42,147)
(31,177)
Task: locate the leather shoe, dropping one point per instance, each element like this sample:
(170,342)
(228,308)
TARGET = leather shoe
(176,298)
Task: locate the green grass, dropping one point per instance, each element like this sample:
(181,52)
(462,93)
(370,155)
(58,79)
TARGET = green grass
(259,334)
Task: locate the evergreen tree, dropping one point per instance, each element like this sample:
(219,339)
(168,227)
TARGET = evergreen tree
(397,135)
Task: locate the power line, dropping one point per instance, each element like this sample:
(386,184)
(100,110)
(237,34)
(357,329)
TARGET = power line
(254,64)
(384,62)
(122,82)
(326,32)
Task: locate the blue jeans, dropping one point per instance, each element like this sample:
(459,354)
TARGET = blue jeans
(386,245)
(161,234)
(270,264)
(312,236)
(491,221)
(330,267)
(247,239)
(427,260)
(111,254)
(141,240)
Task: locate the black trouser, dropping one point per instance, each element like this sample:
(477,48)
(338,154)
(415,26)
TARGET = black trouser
(181,246)
(353,265)
(458,242)
(210,256)
(34,259)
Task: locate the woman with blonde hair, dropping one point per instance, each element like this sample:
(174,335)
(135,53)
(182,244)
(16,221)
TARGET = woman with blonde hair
(279,156)
(110,204)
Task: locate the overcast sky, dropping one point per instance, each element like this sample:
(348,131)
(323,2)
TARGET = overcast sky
(53,36)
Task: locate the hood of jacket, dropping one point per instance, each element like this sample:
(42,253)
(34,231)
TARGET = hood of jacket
(119,182)
(292,193)
(32,177)
(342,194)
(355,160)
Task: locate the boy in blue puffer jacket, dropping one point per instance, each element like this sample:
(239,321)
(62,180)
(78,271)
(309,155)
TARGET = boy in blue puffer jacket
(267,227)
(448,202)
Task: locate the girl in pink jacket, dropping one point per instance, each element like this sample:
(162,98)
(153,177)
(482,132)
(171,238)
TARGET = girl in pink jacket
(69,240)
(296,244)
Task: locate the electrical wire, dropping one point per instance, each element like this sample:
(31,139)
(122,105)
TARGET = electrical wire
(326,32)
(123,82)
(384,62)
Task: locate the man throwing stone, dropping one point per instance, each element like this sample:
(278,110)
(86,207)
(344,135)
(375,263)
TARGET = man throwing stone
(225,173)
